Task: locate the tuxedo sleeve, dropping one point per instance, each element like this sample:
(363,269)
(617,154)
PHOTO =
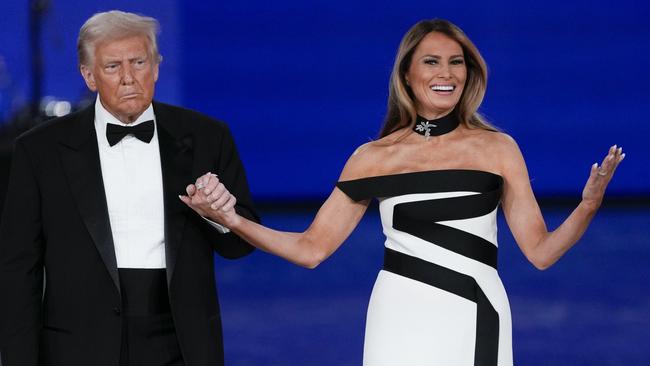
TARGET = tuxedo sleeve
(231,173)
(21,264)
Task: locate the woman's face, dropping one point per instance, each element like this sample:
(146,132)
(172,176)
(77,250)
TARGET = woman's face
(437,75)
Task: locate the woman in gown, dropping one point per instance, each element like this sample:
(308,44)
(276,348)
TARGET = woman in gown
(439,172)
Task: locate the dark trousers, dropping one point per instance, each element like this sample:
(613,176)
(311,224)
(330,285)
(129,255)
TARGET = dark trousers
(148,333)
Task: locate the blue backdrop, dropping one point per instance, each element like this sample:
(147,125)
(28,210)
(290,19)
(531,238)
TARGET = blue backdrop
(302,84)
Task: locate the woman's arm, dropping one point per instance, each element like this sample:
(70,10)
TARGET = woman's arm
(334,222)
(541,247)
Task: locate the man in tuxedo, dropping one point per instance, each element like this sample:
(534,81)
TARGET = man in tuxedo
(101,263)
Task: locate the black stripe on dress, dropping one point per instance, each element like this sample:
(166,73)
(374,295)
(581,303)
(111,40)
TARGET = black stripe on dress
(487,319)
(429,181)
(418,218)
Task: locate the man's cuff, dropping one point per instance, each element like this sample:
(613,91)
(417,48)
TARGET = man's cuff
(220,228)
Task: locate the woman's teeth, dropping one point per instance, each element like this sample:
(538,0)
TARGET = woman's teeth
(444,88)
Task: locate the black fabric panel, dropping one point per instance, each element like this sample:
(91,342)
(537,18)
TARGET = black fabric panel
(457,241)
(418,219)
(429,181)
(486,352)
(430,273)
(148,331)
(452,208)
(144,291)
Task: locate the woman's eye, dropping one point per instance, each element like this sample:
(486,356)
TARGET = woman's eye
(457,62)
(431,62)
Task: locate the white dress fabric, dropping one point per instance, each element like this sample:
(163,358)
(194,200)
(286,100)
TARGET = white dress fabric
(439,299)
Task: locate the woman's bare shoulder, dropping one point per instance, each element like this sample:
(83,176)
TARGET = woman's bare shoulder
(495,141)
(367,159)
(506,151)
(504,144)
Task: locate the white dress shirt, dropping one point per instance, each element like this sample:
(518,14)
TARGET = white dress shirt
(134,193)
(132,177)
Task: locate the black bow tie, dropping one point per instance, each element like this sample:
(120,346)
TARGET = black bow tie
(142,131)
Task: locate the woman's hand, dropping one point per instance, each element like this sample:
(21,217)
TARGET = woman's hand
(210,199)
(592,194)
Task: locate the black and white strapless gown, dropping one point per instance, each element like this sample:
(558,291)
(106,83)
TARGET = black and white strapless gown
(438,299)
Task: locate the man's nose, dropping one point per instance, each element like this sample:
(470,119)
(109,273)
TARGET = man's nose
(127,74)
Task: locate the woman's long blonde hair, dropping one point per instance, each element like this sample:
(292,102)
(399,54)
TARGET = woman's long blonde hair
(401,100)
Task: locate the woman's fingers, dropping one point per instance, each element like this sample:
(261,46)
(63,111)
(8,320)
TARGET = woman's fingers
(207,182)
(600,176)
(220,202)
(208,193)
(232,201)
(218,192)
(614,156)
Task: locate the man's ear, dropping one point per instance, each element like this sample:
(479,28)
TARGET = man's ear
(88,76)
(156,67)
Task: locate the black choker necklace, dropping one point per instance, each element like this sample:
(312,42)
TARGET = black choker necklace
(435,127)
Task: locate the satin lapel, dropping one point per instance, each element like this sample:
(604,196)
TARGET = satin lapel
(176,152)
(80,159)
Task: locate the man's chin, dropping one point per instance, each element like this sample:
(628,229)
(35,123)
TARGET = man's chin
(128,115)
(136,105)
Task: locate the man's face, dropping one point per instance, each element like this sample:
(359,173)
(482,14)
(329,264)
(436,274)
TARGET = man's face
(124,74)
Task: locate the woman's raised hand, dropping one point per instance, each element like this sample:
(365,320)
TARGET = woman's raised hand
(600,176)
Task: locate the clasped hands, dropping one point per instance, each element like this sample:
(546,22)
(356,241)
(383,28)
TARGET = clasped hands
(210,199)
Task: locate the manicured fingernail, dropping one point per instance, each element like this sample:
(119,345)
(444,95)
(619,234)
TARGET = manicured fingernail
(622,156)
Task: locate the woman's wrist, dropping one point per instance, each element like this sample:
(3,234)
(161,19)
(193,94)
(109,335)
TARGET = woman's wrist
(232,220)
(589,205)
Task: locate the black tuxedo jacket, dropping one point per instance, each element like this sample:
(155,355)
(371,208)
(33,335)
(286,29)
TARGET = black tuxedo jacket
(55,221)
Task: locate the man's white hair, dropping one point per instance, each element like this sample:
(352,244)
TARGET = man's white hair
(114,25)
